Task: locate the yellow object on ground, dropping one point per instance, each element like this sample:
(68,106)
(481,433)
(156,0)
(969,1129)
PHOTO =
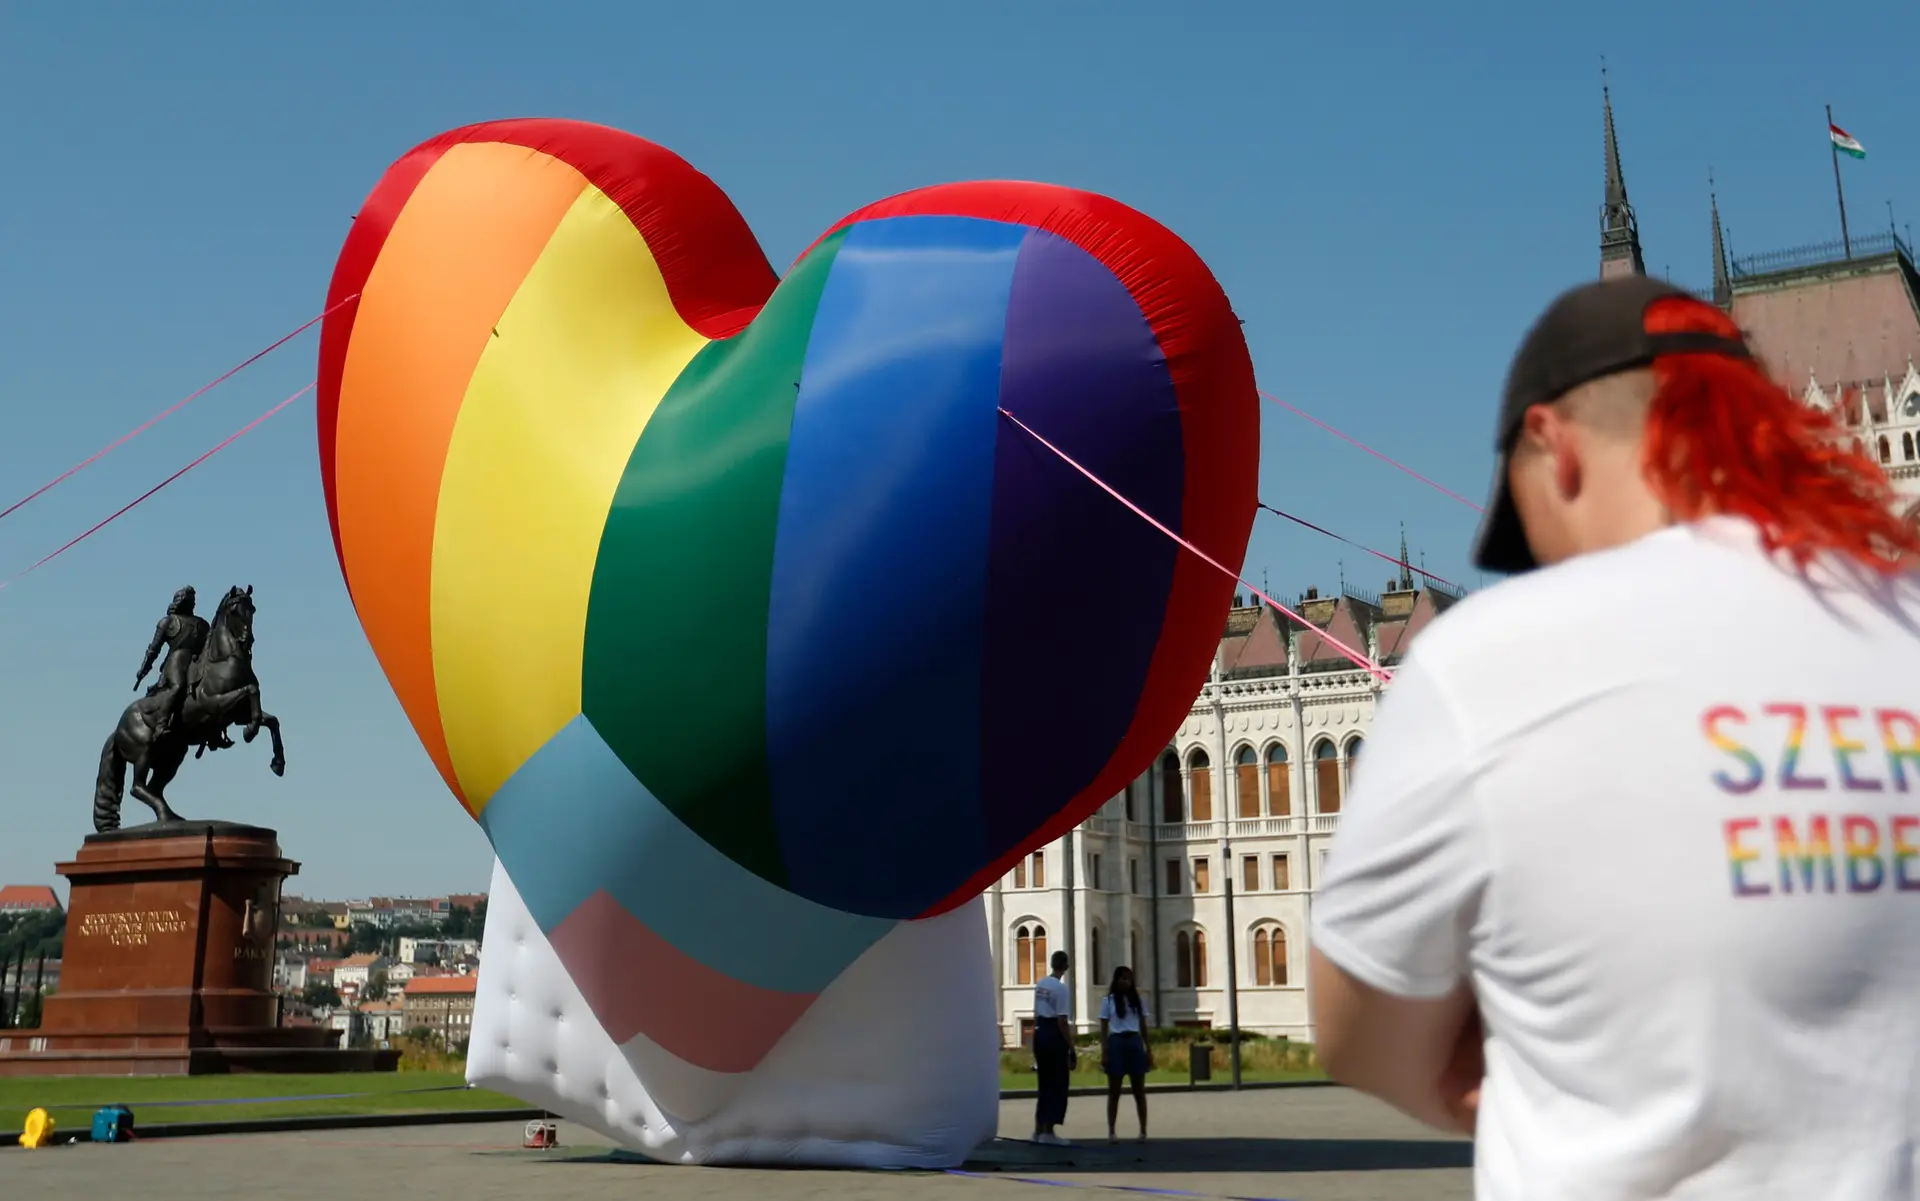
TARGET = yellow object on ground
(39,1129)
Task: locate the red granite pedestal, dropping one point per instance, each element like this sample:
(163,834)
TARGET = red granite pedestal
(168,963)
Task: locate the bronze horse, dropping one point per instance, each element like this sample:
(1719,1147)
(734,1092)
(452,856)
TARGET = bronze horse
(222,691)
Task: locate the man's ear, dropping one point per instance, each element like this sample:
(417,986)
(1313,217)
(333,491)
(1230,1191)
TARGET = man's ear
(1554,435)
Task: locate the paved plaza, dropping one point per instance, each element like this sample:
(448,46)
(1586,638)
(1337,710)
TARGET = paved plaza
(1297,1144)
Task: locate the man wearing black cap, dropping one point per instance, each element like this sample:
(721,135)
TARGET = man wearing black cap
(1629,887)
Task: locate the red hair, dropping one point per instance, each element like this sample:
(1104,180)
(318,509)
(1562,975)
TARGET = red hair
(1723,438)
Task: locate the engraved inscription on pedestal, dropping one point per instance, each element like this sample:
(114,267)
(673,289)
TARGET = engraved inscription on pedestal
(132,927)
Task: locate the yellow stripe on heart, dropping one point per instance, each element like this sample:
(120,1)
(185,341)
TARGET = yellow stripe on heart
(582,356)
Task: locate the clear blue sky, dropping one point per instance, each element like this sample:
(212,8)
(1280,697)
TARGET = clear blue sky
(1388,193)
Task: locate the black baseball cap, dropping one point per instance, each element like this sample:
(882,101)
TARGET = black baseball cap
(1594,330)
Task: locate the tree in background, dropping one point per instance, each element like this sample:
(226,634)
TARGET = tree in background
(465,923)
(41,933)
(320,995)
(376,987)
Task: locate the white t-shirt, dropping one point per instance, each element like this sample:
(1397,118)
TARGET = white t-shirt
(1661,806)
(1129,1024)
(1051,999)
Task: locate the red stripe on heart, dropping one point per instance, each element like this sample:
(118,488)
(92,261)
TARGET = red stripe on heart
(639,983)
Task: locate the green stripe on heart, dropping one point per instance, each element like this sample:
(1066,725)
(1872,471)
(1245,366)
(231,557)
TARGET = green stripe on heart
(676,643)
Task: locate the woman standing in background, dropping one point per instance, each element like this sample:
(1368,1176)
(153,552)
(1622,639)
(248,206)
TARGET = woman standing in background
(1123,1047)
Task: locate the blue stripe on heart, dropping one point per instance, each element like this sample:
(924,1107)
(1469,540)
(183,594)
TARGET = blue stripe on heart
(880,565)
(926,549)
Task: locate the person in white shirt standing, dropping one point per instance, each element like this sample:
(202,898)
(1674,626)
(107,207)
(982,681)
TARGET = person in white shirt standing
(1629,887)
(1053,1051)
(1123,1048)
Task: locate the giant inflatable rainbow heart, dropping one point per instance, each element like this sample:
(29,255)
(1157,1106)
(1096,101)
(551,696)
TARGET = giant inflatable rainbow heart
(733,606)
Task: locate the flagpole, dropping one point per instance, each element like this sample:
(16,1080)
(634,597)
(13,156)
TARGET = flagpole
(1845,241)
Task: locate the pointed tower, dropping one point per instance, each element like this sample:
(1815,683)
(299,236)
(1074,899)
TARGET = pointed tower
(1619,230)
(1722,278)
(1406,571)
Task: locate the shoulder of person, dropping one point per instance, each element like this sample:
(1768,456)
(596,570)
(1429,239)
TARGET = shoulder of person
(1541,601)
(1597,605)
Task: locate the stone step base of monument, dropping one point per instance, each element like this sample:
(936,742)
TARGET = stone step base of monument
(173,1053)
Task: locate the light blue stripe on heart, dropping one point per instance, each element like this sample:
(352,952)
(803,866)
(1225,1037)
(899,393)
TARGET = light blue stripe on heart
(573,820)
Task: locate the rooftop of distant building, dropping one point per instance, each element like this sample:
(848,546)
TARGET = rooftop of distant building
(1260,640)
(20,897)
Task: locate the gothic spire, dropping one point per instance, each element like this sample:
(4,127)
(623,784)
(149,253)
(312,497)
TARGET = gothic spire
(1722,278)
(1406,572)
(1619,229)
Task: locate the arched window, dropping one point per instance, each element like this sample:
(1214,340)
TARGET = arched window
(1190,959)
(1270,956)
(1172,798)
(1246,781)
(1200,775)
(1906,445)
(1353,758)
(1279,792)
(1886,453)
(1029,954)
(1326,776)
(1097,960)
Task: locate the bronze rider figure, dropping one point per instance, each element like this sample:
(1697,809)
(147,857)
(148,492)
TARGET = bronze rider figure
(184,634)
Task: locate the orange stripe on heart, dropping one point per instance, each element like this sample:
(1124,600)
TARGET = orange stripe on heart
(457,253)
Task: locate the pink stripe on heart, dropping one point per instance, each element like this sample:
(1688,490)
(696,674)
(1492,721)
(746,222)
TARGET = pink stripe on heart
(639,983)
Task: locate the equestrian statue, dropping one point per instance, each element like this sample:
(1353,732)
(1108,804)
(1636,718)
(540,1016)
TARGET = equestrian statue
(206,685)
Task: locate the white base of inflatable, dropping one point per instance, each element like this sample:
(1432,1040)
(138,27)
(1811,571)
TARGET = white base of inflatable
(895,1066)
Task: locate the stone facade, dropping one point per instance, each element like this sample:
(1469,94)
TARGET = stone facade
(1885,420)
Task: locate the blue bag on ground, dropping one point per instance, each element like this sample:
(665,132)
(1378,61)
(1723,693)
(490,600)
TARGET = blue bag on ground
(112,1124)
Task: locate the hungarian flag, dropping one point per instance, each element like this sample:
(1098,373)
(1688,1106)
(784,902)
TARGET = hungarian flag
(1844,142)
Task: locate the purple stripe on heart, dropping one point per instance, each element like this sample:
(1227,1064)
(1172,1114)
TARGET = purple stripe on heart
(1076,585)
